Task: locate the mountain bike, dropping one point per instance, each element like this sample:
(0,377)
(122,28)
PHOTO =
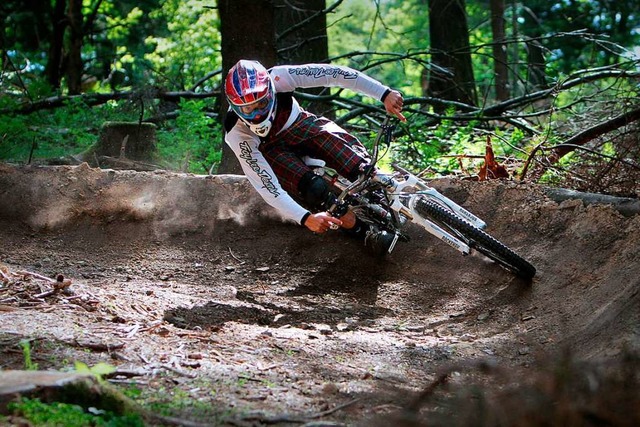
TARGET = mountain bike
(391,201)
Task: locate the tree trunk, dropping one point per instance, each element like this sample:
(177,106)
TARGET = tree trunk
(450,51)
(301,28)
(56,47)
(500,65)
(74,62)
(243,39)
(536,73)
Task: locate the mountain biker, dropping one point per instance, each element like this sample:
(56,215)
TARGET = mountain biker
(272,135)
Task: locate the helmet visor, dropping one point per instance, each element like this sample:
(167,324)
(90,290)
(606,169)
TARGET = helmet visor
(255,112)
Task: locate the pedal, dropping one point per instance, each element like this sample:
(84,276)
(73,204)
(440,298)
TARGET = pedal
(396,237)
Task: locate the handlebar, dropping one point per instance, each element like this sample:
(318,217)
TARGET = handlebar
(385,133)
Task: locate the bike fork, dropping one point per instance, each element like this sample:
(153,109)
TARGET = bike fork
(441,234)
(432,193)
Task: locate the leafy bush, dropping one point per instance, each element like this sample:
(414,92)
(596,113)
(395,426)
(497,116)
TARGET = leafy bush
(56,133)
(191,143)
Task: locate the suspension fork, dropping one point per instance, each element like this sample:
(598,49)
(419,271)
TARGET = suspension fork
(433,194)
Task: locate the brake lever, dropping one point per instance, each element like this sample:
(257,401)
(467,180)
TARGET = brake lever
(388,134)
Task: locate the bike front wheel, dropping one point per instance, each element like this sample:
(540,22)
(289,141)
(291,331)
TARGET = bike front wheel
(476,238)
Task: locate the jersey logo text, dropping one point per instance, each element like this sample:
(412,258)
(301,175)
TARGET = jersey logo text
(267,179)
(319,72)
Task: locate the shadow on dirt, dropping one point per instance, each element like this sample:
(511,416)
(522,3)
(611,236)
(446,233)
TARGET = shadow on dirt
(213,316)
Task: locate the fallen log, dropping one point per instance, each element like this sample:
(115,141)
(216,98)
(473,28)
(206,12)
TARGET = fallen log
(627,206)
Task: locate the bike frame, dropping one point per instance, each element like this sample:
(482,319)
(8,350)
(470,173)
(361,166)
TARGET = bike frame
(403,195)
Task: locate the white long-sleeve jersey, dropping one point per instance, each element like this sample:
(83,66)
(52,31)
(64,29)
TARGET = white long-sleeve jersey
(287,78)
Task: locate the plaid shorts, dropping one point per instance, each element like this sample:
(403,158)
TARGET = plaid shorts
(316,137)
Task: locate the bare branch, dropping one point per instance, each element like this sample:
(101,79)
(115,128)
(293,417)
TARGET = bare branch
(307,20)
(93,99)
(572,81)
(205,78)
(577,141)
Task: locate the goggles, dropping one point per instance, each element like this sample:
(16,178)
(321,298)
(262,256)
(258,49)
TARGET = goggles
(255,112)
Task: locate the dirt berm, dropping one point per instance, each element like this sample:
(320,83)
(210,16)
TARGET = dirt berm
(196,277)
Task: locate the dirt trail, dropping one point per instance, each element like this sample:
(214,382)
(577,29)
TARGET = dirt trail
(196,284)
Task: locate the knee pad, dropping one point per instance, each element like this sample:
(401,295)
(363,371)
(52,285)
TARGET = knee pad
(315,192)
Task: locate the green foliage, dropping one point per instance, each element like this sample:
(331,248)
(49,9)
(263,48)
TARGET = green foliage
(51,134)
(190,143)
(608,26)
(190,48)
(392,29)
(68,415)
(435,149)
(193,141)
(116,52)
(132,392)
(174,401)
(98,370)
(26,352)
(453,147)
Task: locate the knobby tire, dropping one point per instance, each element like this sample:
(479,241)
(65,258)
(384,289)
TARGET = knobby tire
(476,238)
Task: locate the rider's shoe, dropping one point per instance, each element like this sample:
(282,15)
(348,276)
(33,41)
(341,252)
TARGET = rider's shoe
(380,242)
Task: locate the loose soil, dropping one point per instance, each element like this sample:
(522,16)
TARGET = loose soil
(208,303)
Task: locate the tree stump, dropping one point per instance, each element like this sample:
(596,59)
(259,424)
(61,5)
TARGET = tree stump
(123,143)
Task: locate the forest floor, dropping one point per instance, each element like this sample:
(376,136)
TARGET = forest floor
(218,313)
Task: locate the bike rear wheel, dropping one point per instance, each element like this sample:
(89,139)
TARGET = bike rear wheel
(476,238)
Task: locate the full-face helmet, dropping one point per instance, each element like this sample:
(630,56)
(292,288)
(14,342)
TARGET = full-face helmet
(251,95)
